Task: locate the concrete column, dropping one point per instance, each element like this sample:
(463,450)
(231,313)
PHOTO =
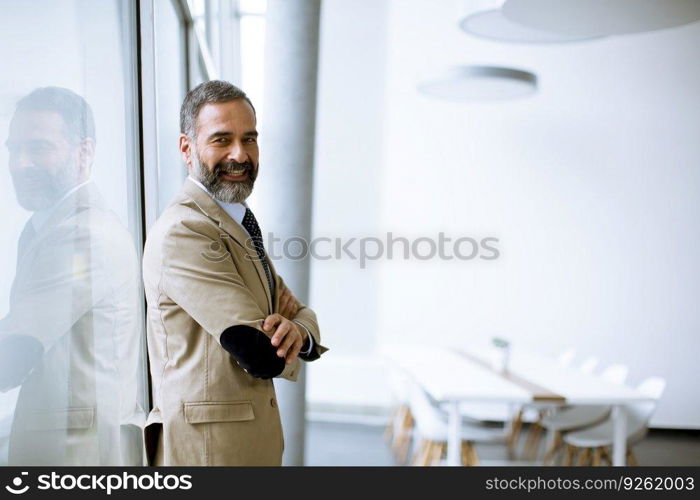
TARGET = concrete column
(285,185)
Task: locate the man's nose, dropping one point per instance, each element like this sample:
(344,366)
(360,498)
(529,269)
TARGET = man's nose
(237,153)
(21,158)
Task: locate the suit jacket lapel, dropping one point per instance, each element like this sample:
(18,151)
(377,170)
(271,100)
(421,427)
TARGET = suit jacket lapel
(212,209)
(82,199)
(277,285)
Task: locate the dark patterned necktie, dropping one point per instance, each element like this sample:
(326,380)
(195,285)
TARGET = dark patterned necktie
(251,225)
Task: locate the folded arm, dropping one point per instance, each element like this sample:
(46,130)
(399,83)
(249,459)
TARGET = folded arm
(304,317)
(212,292)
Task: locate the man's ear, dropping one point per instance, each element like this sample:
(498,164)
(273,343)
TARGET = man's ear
(87,156)
(186,151)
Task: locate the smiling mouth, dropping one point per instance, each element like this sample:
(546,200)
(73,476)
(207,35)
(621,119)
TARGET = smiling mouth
(235,175)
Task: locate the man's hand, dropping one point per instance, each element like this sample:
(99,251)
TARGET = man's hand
(288,338)
(289,305)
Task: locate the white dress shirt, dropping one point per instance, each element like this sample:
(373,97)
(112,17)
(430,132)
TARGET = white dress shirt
(237,211)
(40,217)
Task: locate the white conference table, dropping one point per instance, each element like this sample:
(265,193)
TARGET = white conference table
(453,376)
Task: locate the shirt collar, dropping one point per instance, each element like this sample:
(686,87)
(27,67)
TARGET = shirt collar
(235,210)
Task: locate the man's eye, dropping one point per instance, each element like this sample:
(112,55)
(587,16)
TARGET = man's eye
(221,140)
(251,140)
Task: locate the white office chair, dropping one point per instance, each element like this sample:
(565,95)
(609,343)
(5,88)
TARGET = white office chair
(486,412)
(399,429)
(566,357)
(579,416)
(589,365)
(431,427)
(534,413)
(596,440)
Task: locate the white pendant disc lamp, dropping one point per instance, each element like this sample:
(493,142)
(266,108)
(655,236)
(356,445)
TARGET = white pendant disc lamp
(493,25)
(466,83)
(591,18)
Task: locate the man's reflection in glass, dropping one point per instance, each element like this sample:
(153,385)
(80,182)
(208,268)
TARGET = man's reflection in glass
(72,337)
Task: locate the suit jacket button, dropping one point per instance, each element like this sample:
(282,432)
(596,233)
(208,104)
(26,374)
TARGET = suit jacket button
(273,403)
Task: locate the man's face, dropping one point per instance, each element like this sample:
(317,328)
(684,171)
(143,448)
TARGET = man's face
(44,160)
(224,155)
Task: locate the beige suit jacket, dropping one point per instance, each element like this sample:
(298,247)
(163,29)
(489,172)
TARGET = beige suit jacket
(202,277)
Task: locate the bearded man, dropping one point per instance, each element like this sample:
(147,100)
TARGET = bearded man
(221,322)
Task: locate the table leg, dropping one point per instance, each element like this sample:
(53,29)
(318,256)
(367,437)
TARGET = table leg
(454,437)
(512,411)
(549,439)
(619,451)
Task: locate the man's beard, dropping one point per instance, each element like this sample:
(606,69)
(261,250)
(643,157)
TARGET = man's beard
(222,190)
(38,189)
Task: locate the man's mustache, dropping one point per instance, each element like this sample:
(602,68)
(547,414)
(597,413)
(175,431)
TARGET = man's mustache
(32,175)
(232,166)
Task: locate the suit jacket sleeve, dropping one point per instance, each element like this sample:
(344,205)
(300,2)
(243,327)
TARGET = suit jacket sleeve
(64,278)
(211,291)
(306,317)
(73,268)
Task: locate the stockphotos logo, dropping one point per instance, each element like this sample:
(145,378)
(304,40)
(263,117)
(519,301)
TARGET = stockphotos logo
(107,483)
(17,482)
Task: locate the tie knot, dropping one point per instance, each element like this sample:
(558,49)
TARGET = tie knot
(249,215)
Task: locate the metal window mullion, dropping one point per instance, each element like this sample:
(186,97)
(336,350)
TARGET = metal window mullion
(183,7)
(149,114)
(230,39)
(210,68)
(198,48)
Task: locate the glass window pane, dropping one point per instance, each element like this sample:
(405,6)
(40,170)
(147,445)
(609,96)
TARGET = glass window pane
(71,322)
(253,59)
(252,6)
(171,86)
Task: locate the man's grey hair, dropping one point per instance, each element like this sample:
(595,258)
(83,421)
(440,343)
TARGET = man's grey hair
(208,92)
(75,111)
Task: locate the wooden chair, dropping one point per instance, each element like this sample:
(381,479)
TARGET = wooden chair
(593,443)
(579,416)
(431,426)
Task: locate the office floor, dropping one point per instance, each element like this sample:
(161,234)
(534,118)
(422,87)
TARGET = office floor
(363,445)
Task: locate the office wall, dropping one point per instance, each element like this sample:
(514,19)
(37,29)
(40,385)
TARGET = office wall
(591,187)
